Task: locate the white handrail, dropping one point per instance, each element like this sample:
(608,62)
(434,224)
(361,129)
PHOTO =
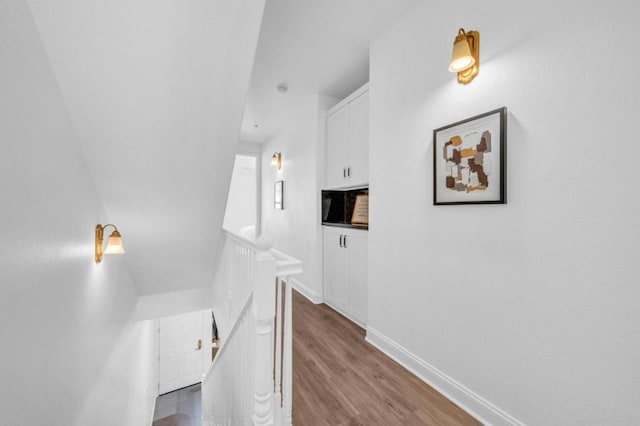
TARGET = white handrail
(286,265)
(232,332)
(262,243)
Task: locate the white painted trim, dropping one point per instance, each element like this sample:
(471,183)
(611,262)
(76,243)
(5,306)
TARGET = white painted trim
(463,397)
(314,297)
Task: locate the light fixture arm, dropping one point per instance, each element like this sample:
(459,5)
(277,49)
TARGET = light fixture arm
(115,228)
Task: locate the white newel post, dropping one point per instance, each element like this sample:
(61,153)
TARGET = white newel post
(264,298)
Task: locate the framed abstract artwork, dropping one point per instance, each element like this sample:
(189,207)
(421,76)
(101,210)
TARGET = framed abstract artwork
(469,160)
(278,195)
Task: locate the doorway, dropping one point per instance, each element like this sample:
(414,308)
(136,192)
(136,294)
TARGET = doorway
(184,349)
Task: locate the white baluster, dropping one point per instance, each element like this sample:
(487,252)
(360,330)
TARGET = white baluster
(288,354)
(278,342)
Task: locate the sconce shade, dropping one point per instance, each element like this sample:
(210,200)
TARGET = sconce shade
(461,58)
(114,245)
(276,160)
(465,59)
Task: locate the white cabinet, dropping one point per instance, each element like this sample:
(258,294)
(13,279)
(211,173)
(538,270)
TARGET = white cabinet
(348,141)
(345,272)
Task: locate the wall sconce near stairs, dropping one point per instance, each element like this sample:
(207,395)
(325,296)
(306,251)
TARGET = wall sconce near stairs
(114,244)
(465,59)
(276,160)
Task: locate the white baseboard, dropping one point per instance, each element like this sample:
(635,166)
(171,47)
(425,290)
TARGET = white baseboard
(314,297)
(345,314)
(463,397)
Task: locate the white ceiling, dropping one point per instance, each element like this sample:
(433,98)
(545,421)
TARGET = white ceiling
(315,46)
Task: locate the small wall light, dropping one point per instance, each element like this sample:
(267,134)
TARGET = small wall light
(114,244)
(465,59)
(276,160)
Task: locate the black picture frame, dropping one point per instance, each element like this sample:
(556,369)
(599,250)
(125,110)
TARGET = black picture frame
(278,195)
(466,172)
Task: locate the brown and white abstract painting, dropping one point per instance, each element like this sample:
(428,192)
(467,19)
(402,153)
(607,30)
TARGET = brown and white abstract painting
(469,160)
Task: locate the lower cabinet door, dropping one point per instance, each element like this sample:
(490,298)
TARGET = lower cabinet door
(335,268)
(357,274)
(345,272)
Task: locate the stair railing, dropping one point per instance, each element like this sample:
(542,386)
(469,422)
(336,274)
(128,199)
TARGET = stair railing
(250,379)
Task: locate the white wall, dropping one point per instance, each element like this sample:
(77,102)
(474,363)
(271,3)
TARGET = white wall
(242,200)
(296,230)
(63,319)
(532,305)
(127,384)
(152,306)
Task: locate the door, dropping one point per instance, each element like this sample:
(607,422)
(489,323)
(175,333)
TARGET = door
(356,242)
(335,268)
(359,140)
(181,345)
(337,147)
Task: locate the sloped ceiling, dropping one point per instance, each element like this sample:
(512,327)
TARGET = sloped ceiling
(155,90)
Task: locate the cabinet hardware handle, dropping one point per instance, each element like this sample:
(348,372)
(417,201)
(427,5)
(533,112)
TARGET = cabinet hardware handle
(345,242)
(199,345)
(348,171)
(344,173)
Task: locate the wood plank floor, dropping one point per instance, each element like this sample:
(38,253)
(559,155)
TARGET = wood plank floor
(339,379)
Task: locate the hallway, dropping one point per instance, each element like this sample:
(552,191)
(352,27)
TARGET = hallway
(339,379)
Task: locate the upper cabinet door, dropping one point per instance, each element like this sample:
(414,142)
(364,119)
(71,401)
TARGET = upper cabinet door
(337,148)
(359,140)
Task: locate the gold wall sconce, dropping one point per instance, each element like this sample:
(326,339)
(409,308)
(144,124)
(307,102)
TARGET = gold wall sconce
(114,244)
(276,160)
(465,59)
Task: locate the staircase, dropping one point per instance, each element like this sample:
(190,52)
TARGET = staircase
(250,379)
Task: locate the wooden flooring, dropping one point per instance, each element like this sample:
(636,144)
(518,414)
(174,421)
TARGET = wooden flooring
(339,379)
